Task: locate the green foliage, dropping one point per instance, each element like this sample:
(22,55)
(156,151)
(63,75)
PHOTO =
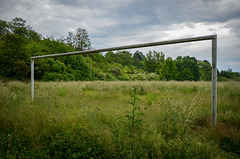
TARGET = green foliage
(228,75)
(154,61)
(205,70)
(80,41)
(152,77)
(97,57)
(186,74)
(138,60)
(188,68)
(58,67)
(124,77)
(110,57)
(138,77)
(3,27)
(54,76)
(124,58)
(14,57)
(169,70)
(115,70)
(19,42)
(17,26)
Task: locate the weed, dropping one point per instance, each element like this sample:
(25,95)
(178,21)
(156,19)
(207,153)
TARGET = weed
(134,116)
(134,122)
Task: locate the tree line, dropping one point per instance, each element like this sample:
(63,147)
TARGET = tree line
(19,42)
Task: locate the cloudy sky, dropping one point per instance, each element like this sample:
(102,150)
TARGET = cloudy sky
(111,23)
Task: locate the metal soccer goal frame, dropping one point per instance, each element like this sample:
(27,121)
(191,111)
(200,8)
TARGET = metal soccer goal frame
(185,40)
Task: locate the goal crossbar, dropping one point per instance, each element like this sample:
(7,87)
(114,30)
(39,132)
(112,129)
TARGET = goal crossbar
(167,42)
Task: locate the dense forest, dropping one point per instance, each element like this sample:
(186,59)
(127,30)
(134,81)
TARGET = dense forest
(19,42)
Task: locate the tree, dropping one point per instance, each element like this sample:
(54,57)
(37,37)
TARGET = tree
(110,57)
(77,66)
(189,64)
(43,66)
(82,40)
(4,27)
(115,70)
(97,57)
(186,74)
(138,60)
(18,42)
(169,70)
(124,58)
(205,69)
(18,26)
(14,57)
(14,54)
(228,74)
(154,61)
(70,39)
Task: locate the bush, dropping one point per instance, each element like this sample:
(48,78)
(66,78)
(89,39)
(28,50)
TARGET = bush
(124,77)
(58,67)
(153,77)
(115,70)
(221,78)
(49,76)
(138,77)
(101,76)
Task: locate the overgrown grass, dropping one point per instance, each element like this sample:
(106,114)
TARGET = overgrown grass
(88,120)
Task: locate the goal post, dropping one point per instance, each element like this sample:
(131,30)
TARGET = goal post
(168,42)
(214,80)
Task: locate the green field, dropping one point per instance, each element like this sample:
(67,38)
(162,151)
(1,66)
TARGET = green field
(118,120)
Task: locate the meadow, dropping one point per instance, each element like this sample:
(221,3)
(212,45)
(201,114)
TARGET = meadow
(118,119)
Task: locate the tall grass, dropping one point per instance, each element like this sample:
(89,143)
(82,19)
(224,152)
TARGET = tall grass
(88,120)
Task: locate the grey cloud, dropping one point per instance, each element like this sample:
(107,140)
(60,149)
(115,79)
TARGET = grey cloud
(197,11)
(234,25)
(119,22)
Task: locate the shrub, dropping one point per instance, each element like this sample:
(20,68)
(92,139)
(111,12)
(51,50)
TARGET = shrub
(153,77)
(124,77)
(49,76)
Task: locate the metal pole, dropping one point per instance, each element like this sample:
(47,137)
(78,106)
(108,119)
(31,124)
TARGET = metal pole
(214,80)
(90,66)
(209,37)
(32,79)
